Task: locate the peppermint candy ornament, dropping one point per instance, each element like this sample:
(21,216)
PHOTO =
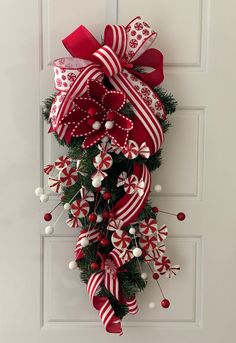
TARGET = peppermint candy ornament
(148,226)
(131,150)
(55,184)
(86,195)
(121,179)
(148,242)
(73,222)
(102,161)
(79,208)
(115,224)
(162,264)
(172,271)
(162,233)
(105,147)
(62,162)
(144,150)
(130,184)
(120,239)
(115,148)
(68,176)
(49,169)
(155,254)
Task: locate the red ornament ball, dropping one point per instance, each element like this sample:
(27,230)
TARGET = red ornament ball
(105,214)
(92,111)
(47,217)
(104,242)
(155,209)
(91,121)
(155,276)
(94,266)
(106,195)
(92,217)
(165,303)
(181,216)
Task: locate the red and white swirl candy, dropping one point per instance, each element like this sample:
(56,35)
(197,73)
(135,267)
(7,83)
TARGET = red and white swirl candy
(102,161)
(49,169)
(148,226)
(132,185)
(162,264)
(73,222)
(155,254)
(105,147)
(79,208)
(121,179)
(68,176)
(131,150)
(55,184)
(120,239)
(115,224)
(172,271)
(62,162)
(148,243)
(86,195)
(162,233)
(99,174)
(144,150)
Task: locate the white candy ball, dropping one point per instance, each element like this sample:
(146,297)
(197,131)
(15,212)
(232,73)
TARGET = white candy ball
(152,305)
(109,124)
(137,252)
(38,191)
(132,230)
(158,188)
(96,125)
(144,276)
(99,218)
(73,265)
(44,198)
(66,206)
(49,230)
(96,182)
(84,242)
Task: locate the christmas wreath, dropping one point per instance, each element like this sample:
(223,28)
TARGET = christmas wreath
(111,113)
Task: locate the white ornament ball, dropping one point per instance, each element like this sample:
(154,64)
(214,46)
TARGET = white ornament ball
(137,252)
(152,305)
(38,191)
(49,230)
(132,230)
(109,124)
(44,198)
(73,265)
(66,206)
(144,276)
(84,242)
(99,218)
(96,182)
(96,125)
(158,188)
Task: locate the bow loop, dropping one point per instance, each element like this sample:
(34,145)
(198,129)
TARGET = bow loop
(109,60)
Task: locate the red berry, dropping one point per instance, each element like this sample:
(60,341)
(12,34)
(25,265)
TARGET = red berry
(165,303)
(155,209)
(94,266)
(155,276)
(92,111)
(91,121)
(106,195)
(105,214)
(181,216)
(92,217)
(104,242)
(47,217)
(111,115)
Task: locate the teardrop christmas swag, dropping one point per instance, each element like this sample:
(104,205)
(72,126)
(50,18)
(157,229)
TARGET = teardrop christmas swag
(112,114)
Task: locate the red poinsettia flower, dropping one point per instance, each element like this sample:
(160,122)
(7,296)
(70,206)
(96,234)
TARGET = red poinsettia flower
(96,115)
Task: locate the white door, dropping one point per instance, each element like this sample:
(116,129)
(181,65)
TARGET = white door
(40,299)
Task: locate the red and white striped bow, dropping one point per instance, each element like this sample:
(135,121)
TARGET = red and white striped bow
(124,48)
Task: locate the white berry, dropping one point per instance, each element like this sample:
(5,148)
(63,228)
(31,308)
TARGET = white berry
(49,230)
(73,265)
(132,230)
(84,242)
(137,252)
(66,206)
(38,191)
(158,188)
(96,182)
(109,124)
(144,276)
(96,125)
(44,198)
(151,305)
(99,218)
